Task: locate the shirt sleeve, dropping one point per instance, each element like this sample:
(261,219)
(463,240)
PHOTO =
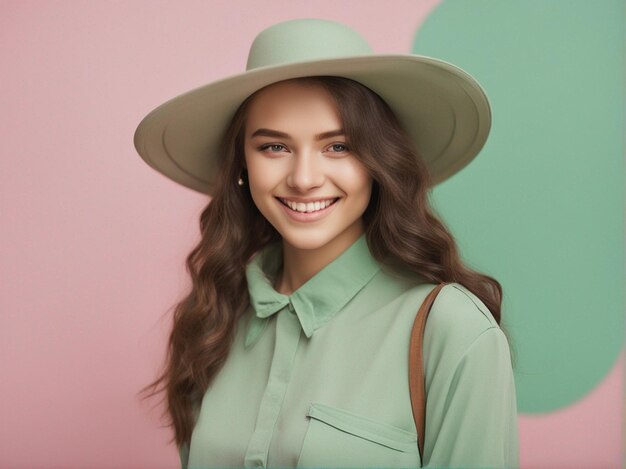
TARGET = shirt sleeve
(474,422)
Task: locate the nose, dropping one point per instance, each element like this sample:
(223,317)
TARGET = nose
(307,171)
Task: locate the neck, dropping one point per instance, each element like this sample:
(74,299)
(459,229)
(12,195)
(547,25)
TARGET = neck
(300,265)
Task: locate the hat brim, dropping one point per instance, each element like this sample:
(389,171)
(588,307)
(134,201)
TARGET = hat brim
(443,109)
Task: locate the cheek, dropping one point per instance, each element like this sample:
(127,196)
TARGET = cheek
(253,170)
(366,192)
(263,178)
(258,175)
(355,180)
(257,190)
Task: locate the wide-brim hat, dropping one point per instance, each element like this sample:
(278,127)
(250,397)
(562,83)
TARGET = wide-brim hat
(443,109)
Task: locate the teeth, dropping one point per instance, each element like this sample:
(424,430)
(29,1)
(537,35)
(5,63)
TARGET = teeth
(308,207)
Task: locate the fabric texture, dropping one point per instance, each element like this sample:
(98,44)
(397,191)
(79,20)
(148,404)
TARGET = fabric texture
(319,378)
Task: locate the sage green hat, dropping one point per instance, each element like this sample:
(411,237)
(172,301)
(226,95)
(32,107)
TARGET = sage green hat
(443,109)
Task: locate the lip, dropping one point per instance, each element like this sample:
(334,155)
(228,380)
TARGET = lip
(306,201)
(307,217)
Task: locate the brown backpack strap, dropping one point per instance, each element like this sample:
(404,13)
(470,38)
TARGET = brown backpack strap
(416,367)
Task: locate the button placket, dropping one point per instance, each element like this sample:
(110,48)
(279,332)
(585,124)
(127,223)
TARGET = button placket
(288,331)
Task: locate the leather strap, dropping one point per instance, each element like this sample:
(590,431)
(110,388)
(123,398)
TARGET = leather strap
(416,367)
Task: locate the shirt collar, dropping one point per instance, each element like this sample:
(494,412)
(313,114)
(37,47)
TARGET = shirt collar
(317,300)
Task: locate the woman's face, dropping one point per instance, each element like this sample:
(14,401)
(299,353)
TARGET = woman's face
(296,152)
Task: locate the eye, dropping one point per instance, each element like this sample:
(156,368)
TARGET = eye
(342,148)
(271,146)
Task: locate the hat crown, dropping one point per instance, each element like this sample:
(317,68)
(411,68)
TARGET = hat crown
(303,40)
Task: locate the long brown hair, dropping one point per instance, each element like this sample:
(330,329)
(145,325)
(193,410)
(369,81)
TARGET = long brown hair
(402,230)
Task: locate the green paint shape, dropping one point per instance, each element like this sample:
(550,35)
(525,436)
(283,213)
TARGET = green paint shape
(541,208)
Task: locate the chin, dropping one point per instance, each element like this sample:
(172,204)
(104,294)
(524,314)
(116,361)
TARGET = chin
(335,230)
(306,241)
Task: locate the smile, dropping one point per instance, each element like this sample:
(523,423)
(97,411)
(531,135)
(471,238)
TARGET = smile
(310,206)
(318,209)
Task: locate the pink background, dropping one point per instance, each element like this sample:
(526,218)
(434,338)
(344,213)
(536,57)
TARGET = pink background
(93,241)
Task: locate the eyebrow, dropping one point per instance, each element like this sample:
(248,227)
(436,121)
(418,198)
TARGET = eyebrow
(275,133)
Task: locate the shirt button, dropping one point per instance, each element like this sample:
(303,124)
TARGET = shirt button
(291,309)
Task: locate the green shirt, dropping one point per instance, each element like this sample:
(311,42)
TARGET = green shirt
(319,378)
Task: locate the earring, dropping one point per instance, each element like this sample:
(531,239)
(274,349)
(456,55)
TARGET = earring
(240,182)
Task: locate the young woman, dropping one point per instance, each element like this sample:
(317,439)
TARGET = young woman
(317,249)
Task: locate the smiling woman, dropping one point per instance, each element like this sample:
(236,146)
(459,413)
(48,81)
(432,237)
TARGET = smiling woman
(290,185)
(318,247)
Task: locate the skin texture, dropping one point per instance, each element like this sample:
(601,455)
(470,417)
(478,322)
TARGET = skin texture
(302,166)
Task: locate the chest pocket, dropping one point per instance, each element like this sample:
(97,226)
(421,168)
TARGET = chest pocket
(339,438)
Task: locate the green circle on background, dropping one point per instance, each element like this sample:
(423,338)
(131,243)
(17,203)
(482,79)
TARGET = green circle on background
(541,208)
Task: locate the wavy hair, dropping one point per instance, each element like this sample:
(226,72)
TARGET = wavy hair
(402,231)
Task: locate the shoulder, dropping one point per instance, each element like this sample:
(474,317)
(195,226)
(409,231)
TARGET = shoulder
(458,307)
(457,316)
(456,320)
(455,307)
